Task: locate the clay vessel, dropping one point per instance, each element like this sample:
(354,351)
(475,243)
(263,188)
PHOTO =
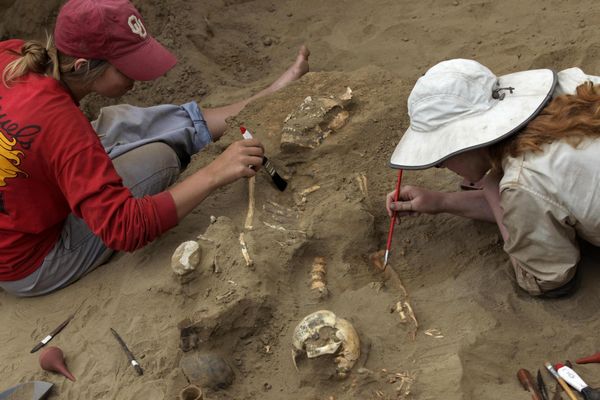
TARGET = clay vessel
(191,392)
(52,359)
(206,370)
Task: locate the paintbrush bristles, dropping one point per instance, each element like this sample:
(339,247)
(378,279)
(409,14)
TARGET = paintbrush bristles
(277,180)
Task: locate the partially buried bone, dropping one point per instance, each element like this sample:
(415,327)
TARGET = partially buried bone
(250,214)
(315,119)
(402,307)
(249,261)
(318,281)
(186,257)
(340,338)
(362,184)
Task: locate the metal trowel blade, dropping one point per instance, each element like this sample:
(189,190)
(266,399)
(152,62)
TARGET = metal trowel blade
(36,390)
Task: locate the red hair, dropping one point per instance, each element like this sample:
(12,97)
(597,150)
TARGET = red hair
(567,117)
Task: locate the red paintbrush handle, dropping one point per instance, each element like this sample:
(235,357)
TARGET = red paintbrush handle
(393,221)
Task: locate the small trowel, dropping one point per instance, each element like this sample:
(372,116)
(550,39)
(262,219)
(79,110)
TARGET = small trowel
(36,390)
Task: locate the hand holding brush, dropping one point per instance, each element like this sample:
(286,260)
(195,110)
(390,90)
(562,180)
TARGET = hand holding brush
(393,221)
(278,181)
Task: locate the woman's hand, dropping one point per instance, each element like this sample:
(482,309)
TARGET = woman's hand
(413,201)
(241,159)
(416,200)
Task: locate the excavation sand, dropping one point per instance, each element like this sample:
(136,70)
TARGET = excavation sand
(474,329)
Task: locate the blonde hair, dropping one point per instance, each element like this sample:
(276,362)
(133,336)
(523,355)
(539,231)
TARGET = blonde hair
(45,59)
(568,117)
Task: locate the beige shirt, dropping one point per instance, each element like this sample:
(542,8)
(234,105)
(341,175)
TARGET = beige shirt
(551,197)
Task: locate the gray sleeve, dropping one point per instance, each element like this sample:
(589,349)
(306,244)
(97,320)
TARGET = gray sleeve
(123,127)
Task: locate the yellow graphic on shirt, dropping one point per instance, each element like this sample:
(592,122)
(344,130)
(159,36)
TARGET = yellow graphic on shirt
(9,159)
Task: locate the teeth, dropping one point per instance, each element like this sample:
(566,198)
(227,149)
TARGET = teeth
(344,342)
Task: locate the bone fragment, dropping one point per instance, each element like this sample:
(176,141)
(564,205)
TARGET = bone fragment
(250,215)
(186,257)
(362,184)
(402,307)
(226,295)
(276,227)
(318,281)
(314,120)
(249,262)
(405,310)
(435,333)
(309,190)
(339,120)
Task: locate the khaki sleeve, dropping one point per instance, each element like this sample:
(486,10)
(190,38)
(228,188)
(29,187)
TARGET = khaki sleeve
(569,79)
(541,238)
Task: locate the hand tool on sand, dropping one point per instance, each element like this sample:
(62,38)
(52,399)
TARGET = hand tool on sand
(36,390)
(279,182)
(573,379)
(594,358)
(528,383)
(129,354)
(392,222)
(542,386)
(560,380)
(55,332)
(52,359)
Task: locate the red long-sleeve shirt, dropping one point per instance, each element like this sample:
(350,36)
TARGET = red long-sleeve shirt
(53,164)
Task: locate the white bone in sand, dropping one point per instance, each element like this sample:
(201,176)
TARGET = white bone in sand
(343,341)
(186,257)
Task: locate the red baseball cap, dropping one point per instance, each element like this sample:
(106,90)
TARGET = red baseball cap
(111,30)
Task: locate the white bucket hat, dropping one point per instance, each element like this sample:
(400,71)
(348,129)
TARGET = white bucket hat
(460,105)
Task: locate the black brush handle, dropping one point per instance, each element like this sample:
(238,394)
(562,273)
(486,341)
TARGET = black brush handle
(590,394)
(129,354)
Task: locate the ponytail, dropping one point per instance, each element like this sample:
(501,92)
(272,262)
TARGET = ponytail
(35,56)
(46,59)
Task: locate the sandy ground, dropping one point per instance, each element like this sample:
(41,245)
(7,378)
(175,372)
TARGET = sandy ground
(481,330)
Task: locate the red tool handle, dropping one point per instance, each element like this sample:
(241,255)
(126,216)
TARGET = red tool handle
(594,358)
(393,221)
(528,384)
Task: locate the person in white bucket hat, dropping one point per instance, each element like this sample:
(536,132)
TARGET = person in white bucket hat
(532,140)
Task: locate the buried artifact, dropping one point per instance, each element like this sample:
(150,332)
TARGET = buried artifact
(190,392)
(321,333)
(186,257)
(206,370)
(316,118)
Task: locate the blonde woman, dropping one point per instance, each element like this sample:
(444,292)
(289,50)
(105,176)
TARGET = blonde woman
(69,199)
(533,140)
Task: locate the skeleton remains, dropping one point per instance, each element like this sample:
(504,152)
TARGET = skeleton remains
(186,257)
(342,340)
(318,281)
(315,119)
